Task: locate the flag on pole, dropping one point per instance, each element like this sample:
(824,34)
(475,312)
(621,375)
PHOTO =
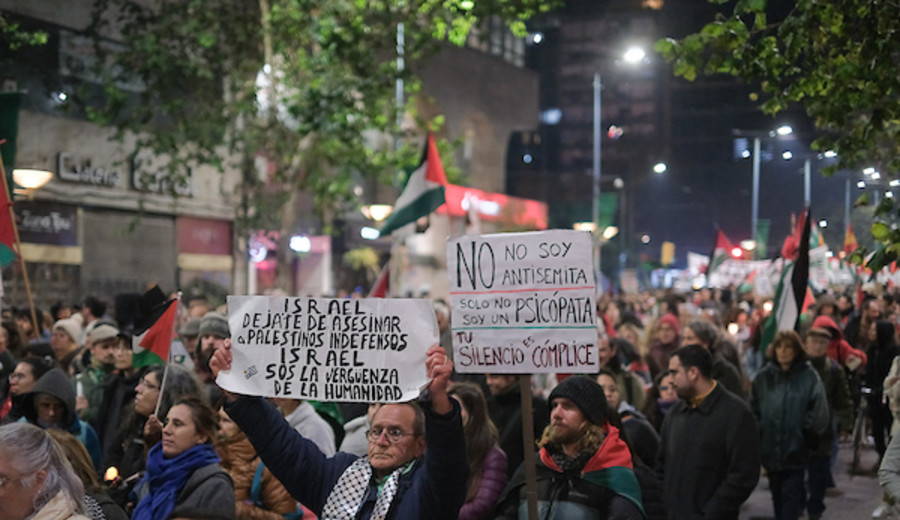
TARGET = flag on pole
(7,225)
(850,243)
(424,191)
(721,252)
(791,291)
(381,287)
(154,328)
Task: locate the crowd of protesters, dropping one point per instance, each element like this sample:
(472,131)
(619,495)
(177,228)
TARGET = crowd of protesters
(691,404)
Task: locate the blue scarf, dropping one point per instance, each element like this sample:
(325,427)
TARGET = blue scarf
(167,477)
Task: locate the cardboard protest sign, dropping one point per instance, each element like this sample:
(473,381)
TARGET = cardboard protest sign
(523,303)
(359,350)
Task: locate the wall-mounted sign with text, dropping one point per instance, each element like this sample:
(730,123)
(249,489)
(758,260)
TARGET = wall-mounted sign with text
(149,175)
(47,223)
(71,168)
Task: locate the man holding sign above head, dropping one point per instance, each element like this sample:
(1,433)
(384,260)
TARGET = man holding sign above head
(396,479)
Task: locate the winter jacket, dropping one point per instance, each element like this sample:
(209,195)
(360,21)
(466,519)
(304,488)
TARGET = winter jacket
(355,441)
(92,381)
(58,508)
(208,489)
(892,392)
(889,472)
(604,488)
(306,420)
(792,412)
(642,437)
(239,459)
(708,457)
(505,410)
(881,354)
(728,376)
(493,480)
(57,384)
(838,349)
(434,488)
(118,398)
(840,405)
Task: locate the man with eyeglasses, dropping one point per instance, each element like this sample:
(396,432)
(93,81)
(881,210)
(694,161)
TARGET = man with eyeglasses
(395,480)
(709,456)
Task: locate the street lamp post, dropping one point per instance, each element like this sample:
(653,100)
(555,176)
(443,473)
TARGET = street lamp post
(596,169)
(754,210)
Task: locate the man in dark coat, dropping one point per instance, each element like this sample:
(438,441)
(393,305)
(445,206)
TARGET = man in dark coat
(396,480)
(709,455)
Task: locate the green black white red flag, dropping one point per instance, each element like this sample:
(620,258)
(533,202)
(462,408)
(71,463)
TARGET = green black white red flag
(424,191)
(792,285)
(154,328)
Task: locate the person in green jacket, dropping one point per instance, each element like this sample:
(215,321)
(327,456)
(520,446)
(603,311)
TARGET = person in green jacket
(790,405)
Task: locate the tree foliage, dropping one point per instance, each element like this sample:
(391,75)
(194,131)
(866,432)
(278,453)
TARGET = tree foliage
(838,60)
(298,83)
(13,36)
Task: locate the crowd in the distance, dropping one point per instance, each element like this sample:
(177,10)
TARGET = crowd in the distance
(692,399)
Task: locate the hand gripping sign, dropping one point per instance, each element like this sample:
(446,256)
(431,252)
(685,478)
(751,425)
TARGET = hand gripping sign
(523,303)
(359,350)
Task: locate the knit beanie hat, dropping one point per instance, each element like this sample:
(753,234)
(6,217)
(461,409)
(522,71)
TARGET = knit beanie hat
(191,328)
(587,395)
(102,332)
(214,323)
(70,327)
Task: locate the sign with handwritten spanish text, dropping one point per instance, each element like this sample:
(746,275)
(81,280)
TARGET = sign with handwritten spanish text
(350,350)
(523,303)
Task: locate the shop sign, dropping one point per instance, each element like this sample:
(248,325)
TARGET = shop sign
(81,170)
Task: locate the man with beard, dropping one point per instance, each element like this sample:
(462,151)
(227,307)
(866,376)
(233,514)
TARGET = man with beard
(584,470)
(103,338)
(709,455)
(213,333)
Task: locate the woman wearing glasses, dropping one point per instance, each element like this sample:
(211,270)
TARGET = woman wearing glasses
(660,398)
(36,480)
(21,381)
(128,454)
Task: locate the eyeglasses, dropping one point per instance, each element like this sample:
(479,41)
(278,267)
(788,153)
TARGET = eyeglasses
(16,375)
(148,385)
(393,434)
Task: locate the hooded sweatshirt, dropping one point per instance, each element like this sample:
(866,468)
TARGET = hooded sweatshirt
(56,383)
(838,349)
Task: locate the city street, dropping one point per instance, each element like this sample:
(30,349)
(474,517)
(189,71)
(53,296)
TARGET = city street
(858,495)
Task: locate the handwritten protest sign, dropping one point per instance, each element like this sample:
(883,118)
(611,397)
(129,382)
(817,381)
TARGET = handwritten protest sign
(523,303)
(360,350)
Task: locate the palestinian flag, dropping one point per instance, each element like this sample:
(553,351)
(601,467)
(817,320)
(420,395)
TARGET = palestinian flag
(850,243)
(721,252)
(154,328)
(7,225)
(424,191)
(381,287)
(791,291)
